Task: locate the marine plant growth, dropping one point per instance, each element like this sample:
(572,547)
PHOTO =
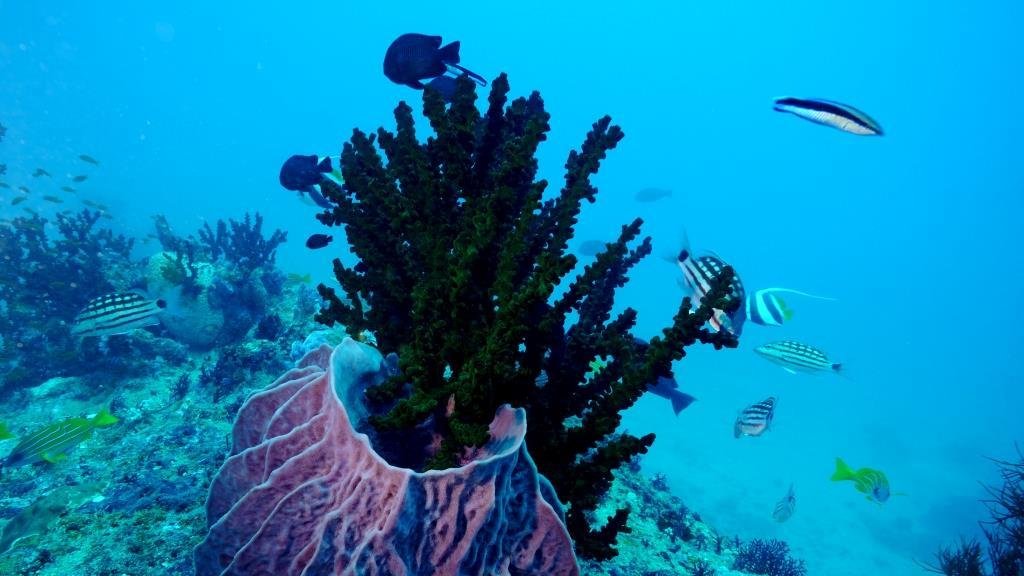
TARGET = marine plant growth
(460,261)
(1004,531)
(49,272)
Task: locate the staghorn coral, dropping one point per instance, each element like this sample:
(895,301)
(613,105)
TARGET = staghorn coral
(459,258)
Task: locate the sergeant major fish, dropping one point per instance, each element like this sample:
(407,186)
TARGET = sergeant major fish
(754,420)
(794,356)
(700,273)
(116,313)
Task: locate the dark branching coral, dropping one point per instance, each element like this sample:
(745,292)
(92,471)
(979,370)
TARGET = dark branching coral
(459,258)
(1005,528)
(962,560)
(45,279)
(242,243)
(768,557)
(1004,531)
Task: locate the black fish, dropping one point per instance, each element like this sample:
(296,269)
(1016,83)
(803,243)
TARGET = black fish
(318,241)
(445,85)
(412,58)
(304,175)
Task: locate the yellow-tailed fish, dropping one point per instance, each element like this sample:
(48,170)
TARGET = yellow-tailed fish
(295,278)
(4,432)
(868,481)
(51,443)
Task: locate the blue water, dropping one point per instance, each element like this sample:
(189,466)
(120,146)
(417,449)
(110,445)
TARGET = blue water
(193,107)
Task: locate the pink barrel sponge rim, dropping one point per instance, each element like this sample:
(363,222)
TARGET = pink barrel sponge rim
(302,493)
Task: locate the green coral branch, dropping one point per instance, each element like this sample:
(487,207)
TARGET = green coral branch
(459,256)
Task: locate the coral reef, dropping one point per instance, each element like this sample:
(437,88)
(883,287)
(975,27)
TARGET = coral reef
(1004,531)
(459,258)
(299,473)
(226,277)
(768,557)
(48,273)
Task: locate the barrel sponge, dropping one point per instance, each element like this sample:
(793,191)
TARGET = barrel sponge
(303,493)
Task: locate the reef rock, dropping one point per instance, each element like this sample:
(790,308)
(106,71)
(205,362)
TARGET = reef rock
(193,321)
(303,493)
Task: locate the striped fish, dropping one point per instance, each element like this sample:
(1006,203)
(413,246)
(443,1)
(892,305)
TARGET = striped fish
(50,444)
(785,507)
(116,313)
(794,356)
(754,420)
(841,116)
(699,273)
(766,308)
(868,481)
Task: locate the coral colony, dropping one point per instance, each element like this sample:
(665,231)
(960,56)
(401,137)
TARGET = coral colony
(459,258)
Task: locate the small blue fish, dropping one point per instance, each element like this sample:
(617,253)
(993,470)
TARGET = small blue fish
(766,308)
(828,113)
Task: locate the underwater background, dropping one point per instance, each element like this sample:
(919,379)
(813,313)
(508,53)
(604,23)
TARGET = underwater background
(191,108)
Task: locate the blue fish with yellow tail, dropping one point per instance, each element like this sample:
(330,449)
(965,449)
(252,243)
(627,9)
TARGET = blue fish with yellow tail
(868,481)
(51,443)
(766,307)
(828,113)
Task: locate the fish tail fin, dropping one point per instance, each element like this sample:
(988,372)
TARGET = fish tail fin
(4,432)
(478,79)
(449,53)
(680,401)
(679,251)
(324,165)
(786,311)
(104,418)
(843,471)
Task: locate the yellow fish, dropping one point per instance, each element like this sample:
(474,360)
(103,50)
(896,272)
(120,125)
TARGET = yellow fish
(51,443)
(869,481)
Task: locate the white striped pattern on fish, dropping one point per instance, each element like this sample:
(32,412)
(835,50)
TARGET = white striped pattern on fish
(116,313)
(754,420)
(794,356)
(699,273)
(826,112)
(766,308)
(785,507)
